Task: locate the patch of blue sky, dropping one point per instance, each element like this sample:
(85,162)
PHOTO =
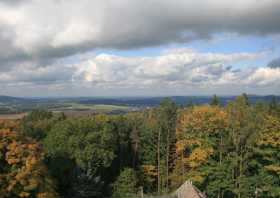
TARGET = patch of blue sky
(234,43)
(220,43)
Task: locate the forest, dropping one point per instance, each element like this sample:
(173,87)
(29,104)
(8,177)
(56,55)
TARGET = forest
(227,151)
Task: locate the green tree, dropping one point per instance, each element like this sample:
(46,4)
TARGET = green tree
(244,129)
(266,159)
(88,144)
(215,101)
(39,122)
(245,97)
(148,150)
(274,107)
(167,114)
(126,184)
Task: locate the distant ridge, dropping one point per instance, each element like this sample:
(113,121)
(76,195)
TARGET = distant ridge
(131,101)
(180,100)
(8,99)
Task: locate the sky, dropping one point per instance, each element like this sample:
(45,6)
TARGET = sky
(139,47)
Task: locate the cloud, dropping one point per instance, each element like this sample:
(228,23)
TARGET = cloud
(29,73)
(263,76)
(274,63)
(33,29)
(176,71)
(179,67)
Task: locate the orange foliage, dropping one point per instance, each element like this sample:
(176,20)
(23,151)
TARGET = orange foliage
(13,125)
(270,135)
(270,138)
(194,127)
(22,173)
(273,168)
(203,119)
(198,156)
(150,170)
(149,173)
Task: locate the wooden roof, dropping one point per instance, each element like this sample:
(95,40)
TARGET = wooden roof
(188,190)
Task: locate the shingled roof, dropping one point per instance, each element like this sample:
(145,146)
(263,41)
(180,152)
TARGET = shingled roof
(188,190)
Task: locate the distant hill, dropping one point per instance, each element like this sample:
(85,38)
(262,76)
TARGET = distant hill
(180,100)
(10,99)
(27,103)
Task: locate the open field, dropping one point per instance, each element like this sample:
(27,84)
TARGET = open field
(73,109)
(95,107)
(12,116)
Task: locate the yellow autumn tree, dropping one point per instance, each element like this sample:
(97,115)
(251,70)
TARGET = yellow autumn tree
(269,141)
(22,173)
(199,129)
(13,125)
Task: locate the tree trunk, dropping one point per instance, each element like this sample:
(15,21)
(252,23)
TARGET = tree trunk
(221,147)
(135,155)
(158,161)
(167,161)
(141,192)
(183,168)
(240,172)
(220,161)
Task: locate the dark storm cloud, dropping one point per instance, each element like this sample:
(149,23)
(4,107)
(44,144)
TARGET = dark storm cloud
(51,29)
(274,63)
(12,2)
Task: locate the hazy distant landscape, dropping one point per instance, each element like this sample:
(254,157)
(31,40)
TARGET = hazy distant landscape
(17,106)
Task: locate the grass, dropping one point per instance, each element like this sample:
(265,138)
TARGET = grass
(68,108)
(97,107)
(110,107)
(12,116)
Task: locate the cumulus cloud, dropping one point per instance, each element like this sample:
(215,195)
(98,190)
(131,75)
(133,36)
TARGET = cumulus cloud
(179,70)
(179,67)
(263,76)
(34,29)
